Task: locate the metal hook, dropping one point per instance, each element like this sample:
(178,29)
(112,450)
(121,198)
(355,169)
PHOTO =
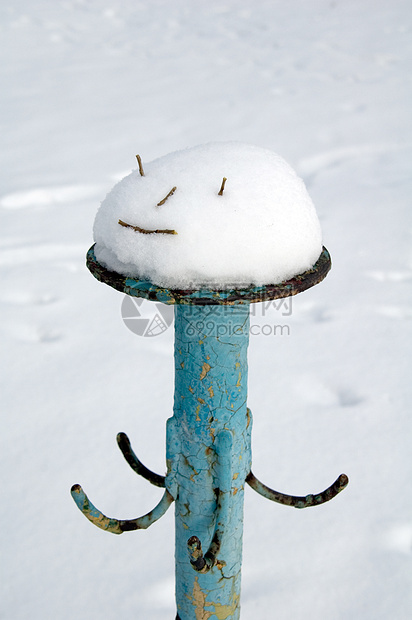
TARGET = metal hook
(137,466)
(116,526)
(203,563)
(298,501)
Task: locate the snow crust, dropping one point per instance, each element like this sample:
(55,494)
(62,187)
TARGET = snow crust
(326,84)
(262,229)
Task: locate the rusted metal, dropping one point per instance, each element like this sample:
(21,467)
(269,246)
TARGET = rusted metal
(208,438)
(295,500)
(137,466)
(118,526)
(211,296)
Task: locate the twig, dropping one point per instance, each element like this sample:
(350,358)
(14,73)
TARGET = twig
(165,231)
(222,187)
(139,161)
(172,191)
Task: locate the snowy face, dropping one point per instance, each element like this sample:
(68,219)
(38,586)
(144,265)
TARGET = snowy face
(217,215)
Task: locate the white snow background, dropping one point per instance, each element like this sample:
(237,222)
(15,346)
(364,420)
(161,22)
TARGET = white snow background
(85,85)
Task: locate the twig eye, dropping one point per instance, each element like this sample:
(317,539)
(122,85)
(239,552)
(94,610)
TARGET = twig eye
(172,191)
(222,187)
(139,161)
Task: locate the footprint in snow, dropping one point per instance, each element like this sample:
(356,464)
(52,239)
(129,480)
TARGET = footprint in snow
(398,537)
(23,298)
(392,311)
(315,313)
(310,167)
(390,276)
(34,334)
(48,196)
(315,391)
(395,312)
(348,398)
(10,257)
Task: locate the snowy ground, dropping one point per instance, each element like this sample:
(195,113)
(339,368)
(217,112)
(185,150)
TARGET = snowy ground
(85,86)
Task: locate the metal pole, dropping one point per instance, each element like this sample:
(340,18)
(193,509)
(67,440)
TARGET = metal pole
(208,439)
(209,457)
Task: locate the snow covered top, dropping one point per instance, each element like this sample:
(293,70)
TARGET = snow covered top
(261,229)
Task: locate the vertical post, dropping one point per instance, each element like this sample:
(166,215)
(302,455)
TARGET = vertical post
(208,439)
(209,457)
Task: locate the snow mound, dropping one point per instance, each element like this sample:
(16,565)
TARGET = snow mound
(261,229)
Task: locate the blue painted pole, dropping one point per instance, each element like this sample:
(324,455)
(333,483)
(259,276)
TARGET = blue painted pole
(209,457)
(208,439)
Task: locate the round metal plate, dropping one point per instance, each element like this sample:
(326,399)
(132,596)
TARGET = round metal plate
(205,296)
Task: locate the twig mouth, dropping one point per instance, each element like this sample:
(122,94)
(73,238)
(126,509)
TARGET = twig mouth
(144,231)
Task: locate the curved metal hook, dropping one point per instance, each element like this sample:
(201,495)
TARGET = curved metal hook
(203,563)
(137,466)
(298,501)
(116,526)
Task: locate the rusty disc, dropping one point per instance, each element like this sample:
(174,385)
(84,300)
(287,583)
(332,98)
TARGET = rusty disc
(207,296)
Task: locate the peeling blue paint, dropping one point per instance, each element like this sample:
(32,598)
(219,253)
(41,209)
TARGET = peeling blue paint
(213,452)
(208,439)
